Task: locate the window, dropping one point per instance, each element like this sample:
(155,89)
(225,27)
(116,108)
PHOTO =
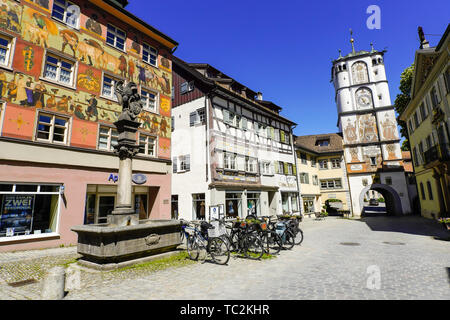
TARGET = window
(315,180)
(423,111)
(289,169)
(373,161)
(331,184)
(323,143)
(185,162)
(422,191)
(28,209)
(434,97)
(174,164)
(233,204)
(59,70)
(285,202)
(147,145)
(229,160)
(253,203)
(5,50)
(115,37)
(410,127)
(186,87)
(266,168)
(149,54)
(107,138)
(108,87)
(420,155)
(335,163)
(66,12)
(323,164)
(198,203)
(251,164)
(197,117)
(430,190)
(52,128)
(276,134)
(447,79)
(174,207)
(304,178)
(294,202)
(416,119)
(313,161)
(149,100)
(303,158)
(416,159)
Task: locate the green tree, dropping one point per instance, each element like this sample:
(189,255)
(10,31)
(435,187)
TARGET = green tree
(402,100)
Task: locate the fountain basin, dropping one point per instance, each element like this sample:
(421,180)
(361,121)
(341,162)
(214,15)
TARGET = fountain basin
(106,246)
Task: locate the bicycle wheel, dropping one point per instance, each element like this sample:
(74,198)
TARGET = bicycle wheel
(288,240)
(272,242)
(192,247)
(235,243)
(219,250)
(253,247)
(298,238)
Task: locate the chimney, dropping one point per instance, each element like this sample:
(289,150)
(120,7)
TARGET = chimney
(259,96)
(423,42)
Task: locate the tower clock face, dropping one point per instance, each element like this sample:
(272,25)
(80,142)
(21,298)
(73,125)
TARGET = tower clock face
(363,98)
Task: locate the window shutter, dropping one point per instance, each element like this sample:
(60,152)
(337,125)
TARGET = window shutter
(188,162)
(294,169)
(276,165)
(286,168)
(307,178)
(226,116)
(244,123)
(174,164)
(282,137)
(272,133)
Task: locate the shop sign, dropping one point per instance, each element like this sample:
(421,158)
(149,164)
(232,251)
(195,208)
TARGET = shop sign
(139,178)
(16,216)
(113,177)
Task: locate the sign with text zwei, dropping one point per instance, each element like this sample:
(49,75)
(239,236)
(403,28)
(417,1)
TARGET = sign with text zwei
(16,216)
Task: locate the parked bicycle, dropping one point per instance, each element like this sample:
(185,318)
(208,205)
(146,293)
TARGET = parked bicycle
(244,238)
(198,240)
(293,223)
(283,231)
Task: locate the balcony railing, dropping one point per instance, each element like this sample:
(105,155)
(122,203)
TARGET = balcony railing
(439,152)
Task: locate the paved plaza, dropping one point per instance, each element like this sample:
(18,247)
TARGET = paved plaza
(372,258)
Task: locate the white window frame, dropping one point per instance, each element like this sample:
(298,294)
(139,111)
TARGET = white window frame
(149,54)
(52,126)
(114,32)
(59,66)
(9,49)
(113,96)
(229,161)
(66,5)
(335,163)
(266,168)
(146,100)
(251,165)
(109,136)
(325,167)
(147,144)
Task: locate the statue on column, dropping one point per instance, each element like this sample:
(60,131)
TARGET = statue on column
(130,100)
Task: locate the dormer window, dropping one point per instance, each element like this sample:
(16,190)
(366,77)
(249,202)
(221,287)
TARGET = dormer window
(323,142)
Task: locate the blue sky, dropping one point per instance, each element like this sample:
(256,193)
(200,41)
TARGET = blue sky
(284,48)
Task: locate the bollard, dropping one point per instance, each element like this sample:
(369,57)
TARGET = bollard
(53,284)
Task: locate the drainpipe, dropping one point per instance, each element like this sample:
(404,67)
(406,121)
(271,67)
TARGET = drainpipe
(299,201)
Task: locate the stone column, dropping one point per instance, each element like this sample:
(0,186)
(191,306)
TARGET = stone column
(126,148)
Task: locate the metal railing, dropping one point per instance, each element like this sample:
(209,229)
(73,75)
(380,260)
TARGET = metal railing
(438,152)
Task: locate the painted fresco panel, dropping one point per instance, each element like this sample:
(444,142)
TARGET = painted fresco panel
(18,122)
(367,128)
(25,87)
(84,134)
(388,125)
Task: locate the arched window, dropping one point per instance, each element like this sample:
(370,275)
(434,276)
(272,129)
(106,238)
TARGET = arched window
(359,72)
(430,191)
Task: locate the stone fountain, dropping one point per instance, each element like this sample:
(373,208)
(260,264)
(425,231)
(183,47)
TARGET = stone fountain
(125,239)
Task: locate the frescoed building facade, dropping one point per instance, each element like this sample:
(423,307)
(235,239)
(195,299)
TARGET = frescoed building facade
(428,121)
(366,118)
(59,61)
(321,172)
(232,151)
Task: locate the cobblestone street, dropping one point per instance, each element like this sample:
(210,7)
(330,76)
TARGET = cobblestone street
(335,261)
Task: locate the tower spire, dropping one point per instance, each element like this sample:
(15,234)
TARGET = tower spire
(352,40)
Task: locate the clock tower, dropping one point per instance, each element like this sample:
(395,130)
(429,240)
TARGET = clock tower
(368,124)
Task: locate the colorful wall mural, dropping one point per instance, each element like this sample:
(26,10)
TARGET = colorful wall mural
(36,33)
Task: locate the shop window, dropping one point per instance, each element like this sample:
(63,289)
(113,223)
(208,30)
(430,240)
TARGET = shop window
(115,37)
(149,100)
(28,209)
(147,145)
(233,204)
(198,202)
(149,54)
(59,70)
(6,44)
(253,204)
(285,202)
(66,12)
(294,202)
(52,128)
(107,138)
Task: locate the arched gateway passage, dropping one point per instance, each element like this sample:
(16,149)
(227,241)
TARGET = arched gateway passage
(393,202)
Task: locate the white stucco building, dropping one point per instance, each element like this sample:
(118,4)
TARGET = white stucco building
(230,148)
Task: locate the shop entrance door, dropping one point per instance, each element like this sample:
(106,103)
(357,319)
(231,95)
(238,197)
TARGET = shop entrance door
(105,207)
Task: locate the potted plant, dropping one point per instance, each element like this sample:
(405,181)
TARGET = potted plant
(445,222)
